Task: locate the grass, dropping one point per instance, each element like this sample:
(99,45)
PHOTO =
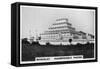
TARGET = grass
(30,51)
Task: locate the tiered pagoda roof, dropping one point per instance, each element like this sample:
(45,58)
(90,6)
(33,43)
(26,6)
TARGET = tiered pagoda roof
(60,26)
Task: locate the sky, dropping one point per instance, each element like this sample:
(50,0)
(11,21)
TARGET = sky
(36,19)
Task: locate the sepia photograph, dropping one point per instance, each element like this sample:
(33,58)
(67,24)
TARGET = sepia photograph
(50,34)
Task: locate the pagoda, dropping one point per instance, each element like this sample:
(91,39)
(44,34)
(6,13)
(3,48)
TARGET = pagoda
(61,32)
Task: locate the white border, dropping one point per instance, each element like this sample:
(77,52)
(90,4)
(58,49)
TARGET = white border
(25,62)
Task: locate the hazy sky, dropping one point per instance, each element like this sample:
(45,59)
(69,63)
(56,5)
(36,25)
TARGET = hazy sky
(38,19)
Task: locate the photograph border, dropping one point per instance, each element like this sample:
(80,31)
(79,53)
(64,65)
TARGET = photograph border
(15,32)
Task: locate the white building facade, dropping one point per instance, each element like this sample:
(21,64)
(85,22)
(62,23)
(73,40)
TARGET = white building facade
(61,31)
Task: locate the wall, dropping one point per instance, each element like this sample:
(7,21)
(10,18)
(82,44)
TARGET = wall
(5,44)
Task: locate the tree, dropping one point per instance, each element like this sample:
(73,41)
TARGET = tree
(25,41)
(47,43)
(70,40)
